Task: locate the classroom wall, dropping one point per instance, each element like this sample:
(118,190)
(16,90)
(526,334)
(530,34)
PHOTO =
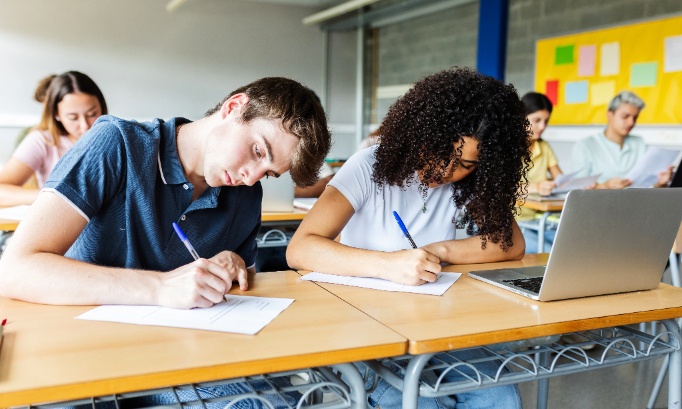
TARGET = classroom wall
(150,63)
(412,49)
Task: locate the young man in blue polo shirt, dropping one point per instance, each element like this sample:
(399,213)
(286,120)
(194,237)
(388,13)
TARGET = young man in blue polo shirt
(101,231)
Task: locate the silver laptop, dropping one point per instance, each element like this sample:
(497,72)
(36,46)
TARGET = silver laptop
(607,241)
(278,194)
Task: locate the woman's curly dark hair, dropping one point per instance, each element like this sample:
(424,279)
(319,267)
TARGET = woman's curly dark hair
(423,130)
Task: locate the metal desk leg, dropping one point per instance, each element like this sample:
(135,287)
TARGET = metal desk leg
(541,232)
(411,382)
(543,359)
(674,369)
(675,269)
(353,379)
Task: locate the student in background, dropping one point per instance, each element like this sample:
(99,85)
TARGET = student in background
(430,163)
(545,164)
(71,104)
(613,152)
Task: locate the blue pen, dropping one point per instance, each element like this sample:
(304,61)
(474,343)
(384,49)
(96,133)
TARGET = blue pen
(404,229)
(185,241)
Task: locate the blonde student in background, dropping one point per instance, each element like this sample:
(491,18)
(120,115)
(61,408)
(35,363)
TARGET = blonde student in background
(71,104)
(429,164)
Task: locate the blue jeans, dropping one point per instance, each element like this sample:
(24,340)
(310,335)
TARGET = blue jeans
(504,397)
(531,237)
(208,392)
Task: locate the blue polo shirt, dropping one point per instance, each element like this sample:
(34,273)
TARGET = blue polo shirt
(126,179)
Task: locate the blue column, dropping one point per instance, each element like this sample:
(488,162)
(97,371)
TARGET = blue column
(492,37)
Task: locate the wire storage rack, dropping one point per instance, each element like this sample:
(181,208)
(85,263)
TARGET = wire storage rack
(315,388)
(502,364)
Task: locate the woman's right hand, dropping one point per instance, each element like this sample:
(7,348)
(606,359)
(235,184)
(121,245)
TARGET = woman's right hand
(411,267)
(545,187)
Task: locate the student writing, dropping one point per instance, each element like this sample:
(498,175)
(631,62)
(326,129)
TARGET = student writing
(455,138)
(101,230)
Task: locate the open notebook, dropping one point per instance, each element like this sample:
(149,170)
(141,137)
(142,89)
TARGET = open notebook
(607,241)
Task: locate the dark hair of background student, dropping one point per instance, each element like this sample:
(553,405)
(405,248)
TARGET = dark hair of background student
(421,130)
(52,89)
(535,101)
(290,102)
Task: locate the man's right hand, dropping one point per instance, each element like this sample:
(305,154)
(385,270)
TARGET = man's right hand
(201,283)
(615,183)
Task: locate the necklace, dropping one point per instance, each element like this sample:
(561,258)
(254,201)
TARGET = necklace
(424,191)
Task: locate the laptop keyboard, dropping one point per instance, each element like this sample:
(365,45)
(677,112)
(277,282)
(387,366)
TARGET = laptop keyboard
(531,284)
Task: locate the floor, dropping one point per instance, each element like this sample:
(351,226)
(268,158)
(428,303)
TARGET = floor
(621,387)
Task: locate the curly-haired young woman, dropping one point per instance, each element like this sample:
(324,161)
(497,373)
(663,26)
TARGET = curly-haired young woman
(455,138)
(454,151)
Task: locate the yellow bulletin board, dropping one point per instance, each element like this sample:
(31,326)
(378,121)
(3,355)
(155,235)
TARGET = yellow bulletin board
(580,73)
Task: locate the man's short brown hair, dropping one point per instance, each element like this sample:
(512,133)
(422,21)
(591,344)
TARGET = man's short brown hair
(302,115)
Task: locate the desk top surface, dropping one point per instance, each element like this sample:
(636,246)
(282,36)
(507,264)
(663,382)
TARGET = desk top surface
(279,217)
(544,205)
(47,355)
(8,225)
(473,313)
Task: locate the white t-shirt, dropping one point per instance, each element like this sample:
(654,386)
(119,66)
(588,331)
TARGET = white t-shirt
(373,226)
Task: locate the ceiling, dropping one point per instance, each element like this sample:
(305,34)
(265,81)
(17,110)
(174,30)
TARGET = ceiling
(308,3)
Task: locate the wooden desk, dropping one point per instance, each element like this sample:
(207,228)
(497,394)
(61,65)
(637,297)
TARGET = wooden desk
(472,313)
(278,218)
(547,207)
(8,225)
(47,355)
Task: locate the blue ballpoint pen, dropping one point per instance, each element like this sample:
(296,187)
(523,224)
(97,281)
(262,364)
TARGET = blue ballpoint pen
(185,241)
(404,229)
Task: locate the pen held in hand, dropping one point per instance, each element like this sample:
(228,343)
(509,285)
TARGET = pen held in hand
(404,229)
(185,241)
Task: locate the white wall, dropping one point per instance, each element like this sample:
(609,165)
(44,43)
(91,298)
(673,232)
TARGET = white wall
(150,63)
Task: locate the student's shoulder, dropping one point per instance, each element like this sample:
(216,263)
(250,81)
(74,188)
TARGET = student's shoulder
(125,126)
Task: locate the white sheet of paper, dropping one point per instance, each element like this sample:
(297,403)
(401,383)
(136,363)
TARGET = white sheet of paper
(570,182)
(14,212)
(305,203)
(645,172)
(438,287)
(239,314)
(672,60)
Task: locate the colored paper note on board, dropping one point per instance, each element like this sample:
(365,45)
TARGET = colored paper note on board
(610,59)
(643,74)
(587,60)
(602,92)
(552,91)
(576,92)
(672,60)
(563,55)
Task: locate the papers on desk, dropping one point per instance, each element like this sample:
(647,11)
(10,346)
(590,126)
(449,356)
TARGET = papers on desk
(239,314)
(14,212)
(305,203)
(655,160)
(438,287)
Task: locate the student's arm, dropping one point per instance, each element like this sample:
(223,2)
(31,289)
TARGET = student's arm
(313,248)
(468,251)
(314,190)
(33,268)
(12,176)
(614,183)
(555,171)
